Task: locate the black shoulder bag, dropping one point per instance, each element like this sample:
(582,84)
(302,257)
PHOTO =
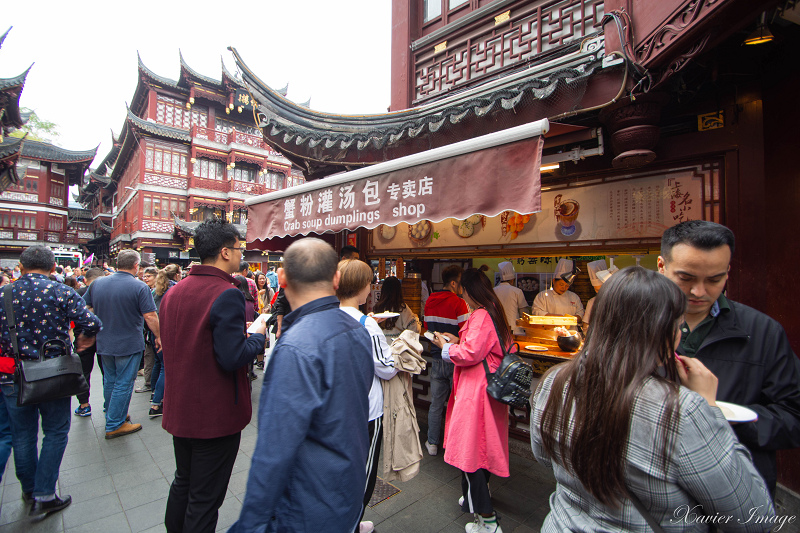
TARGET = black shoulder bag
(56,373)
(511,384)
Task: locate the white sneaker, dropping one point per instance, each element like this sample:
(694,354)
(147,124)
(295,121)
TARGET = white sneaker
(432,448)
(366,527)
(484,525)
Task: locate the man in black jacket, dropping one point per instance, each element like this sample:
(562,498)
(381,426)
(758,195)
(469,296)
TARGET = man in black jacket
(747,350)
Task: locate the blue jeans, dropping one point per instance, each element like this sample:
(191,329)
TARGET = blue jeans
(119,375)
(5,436)
(157,379)
(37,471)
(441,384)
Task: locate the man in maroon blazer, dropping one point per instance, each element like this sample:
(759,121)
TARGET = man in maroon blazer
(206,390)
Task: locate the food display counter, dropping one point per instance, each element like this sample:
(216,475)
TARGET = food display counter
(539,345)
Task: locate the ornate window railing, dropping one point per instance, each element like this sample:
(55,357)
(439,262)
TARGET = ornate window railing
(488,48)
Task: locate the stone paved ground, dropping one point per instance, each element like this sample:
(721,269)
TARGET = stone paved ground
(121,485)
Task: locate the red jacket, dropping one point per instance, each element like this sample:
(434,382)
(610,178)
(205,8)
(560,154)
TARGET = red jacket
(206,353)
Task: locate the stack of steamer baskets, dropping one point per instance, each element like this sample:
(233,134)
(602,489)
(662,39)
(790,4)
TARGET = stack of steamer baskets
(412,287)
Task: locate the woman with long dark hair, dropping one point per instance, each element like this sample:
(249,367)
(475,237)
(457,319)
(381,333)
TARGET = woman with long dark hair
(391,300)
(476,425)
(249,303)
(627,419)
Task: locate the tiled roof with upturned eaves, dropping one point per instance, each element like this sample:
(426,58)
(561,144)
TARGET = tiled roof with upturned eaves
(323,143)
(196,75)
(190,227)
(10,146)
(159,129)
(42,151)
(16,81)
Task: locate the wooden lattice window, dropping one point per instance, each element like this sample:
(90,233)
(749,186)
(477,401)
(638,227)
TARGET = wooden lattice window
(167,159)
(209,169)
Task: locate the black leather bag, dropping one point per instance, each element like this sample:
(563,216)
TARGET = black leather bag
(511,383)
(57,373)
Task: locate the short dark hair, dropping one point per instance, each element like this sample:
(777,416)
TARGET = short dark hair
(309,261)
(37,257)
(212,236)
(145,264)
(244,265)
(451,273)
(59,269)
(93,273)
(700,234)
(348,251)
(127,259)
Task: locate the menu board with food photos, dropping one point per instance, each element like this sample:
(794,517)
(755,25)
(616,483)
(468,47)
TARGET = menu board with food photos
(625,208)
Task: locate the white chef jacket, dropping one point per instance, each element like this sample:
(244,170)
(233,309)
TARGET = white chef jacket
(550,302)
(513,300)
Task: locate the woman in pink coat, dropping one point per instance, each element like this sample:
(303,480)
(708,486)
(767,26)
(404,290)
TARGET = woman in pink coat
(476,425)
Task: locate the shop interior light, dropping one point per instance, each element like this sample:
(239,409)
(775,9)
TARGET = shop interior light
(549,168)
(761,34)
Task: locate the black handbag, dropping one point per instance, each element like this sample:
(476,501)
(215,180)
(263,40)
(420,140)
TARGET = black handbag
(57,373)
(511,383)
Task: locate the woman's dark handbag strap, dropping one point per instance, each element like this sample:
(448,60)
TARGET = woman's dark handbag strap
(645,513)
(10,318)
(502,347)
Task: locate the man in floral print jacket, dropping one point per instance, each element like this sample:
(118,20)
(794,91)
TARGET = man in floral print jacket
(43,310)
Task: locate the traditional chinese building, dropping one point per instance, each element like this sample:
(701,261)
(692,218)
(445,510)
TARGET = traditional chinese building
(188,149)
(34,210)
(658,112)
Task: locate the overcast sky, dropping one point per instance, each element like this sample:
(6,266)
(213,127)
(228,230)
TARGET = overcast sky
(84,54)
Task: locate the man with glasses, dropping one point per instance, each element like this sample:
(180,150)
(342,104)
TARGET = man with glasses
(445,312)
(206,356)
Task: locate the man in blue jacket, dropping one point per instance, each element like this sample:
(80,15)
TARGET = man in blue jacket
(308,467)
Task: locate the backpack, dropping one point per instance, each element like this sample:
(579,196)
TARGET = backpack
(511,383)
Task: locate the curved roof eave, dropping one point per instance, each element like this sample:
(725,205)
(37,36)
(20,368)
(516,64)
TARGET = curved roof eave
(317,139)
(160,130)
(187,71)
(43,151)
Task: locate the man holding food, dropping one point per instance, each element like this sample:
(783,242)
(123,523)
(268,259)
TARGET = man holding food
(747,350)
(559,300)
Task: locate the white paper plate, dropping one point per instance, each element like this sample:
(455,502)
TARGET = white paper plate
(737,413)
(536,348)
(386,315)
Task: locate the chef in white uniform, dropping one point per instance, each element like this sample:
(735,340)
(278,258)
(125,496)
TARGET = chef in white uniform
(559,300)
(511,297)
(598,274)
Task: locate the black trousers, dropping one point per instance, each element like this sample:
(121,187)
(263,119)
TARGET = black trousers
(475,489)
(203,470)
(87,365)
(375,440)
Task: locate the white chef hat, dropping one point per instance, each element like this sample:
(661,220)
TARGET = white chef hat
(603,275)
(506,271)
(564,266)
(594,267)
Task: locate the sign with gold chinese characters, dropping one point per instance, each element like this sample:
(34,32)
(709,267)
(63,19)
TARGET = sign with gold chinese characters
(242,99)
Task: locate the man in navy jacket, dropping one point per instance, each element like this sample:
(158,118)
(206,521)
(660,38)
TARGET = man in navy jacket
(206,391)
(308,467)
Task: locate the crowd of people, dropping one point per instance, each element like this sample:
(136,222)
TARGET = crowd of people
(630,425)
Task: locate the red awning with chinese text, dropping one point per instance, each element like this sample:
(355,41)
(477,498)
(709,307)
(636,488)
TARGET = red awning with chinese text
(485,175)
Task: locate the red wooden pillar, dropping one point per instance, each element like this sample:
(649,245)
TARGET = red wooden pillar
(404,16)
(152,102)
